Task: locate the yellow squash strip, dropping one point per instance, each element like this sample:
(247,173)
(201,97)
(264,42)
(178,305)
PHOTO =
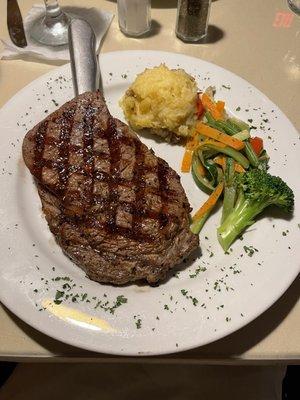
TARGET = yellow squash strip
(213,133)
(211,106)
(210,202)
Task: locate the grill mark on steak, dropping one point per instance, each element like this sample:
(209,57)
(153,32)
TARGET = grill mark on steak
(111,136)
(88,156)
(162,185)
(39,143)
(112,178)
(90,222)
(62,166)
(131,208)
(139,192)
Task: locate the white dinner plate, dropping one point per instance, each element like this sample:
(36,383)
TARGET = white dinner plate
(211,296)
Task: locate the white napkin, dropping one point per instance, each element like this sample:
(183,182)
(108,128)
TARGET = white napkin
(98,19)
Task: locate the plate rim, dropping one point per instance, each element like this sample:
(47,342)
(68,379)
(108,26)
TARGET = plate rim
(234,328)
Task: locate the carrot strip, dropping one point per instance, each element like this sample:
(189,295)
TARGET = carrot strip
(210,105)
(201,169)
(192,143)
(213,133)
(187,161)
(220,106)
(222,162)
(238,167)
(210,202)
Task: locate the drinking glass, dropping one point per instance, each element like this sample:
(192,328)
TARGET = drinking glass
(294,6)
(51,28)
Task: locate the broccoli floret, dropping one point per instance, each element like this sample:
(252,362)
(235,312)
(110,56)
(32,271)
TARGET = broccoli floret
(256,190)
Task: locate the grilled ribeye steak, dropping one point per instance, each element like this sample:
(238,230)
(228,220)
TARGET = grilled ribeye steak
(116,209)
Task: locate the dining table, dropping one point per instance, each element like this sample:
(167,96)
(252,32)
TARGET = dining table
(258,41)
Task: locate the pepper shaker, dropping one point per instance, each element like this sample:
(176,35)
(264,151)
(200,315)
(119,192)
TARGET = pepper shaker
(192,19)
(134,17)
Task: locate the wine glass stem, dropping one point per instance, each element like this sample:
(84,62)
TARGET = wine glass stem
(53,9)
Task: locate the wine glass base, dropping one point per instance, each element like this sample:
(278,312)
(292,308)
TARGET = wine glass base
(51,32)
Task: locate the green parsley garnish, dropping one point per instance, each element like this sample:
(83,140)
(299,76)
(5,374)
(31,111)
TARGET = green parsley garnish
(138,324)
(197,271)
(250,250)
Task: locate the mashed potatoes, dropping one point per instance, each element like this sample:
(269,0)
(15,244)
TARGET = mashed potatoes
(162,101)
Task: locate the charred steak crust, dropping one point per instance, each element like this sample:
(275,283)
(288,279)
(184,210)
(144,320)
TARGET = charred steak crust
(116,209)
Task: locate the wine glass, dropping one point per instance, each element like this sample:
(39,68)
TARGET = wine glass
(51,28)
(294,6)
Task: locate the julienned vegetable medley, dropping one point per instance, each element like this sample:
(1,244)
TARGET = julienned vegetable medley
(229,164)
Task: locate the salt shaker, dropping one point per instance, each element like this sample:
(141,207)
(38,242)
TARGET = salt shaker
(192,19)
(134,16)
